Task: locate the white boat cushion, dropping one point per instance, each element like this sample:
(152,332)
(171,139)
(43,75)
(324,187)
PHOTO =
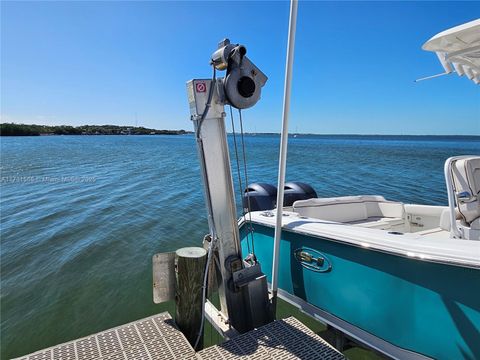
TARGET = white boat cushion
(350,209)
(466,177)
(334,212)
(337,200)
(445,222)
(424,210)
(385,209)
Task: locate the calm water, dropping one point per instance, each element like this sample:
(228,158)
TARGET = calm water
(82,216)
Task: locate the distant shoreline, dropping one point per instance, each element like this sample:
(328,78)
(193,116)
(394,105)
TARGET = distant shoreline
(11,129)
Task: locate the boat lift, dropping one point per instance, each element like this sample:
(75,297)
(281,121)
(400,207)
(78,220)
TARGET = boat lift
(242,287)
(244,297)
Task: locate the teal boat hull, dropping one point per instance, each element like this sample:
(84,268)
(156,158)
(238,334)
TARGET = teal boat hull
(427,308)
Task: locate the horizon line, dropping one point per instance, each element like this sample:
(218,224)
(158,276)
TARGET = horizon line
(255,132)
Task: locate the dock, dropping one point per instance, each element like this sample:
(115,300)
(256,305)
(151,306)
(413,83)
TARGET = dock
(158,338)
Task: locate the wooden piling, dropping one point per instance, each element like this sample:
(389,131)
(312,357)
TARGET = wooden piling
(190,269)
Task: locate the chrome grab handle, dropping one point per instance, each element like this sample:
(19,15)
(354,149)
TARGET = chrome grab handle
(313,260)
(308,258)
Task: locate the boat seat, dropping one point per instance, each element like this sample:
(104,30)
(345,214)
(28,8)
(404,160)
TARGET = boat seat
(445,222)
(466,182)
(370,211)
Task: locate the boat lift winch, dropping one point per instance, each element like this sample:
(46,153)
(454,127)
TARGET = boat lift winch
(243,288)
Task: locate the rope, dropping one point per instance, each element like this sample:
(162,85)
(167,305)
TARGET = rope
(238,169)
(250,229)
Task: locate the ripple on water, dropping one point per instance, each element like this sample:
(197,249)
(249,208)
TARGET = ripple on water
(76,255)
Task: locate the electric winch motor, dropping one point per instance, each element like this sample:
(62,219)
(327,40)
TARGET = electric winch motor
(243,82)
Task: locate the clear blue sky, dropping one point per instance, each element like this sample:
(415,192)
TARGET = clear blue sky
(355,62)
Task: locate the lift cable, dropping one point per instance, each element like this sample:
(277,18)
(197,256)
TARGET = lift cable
(237,160)
(250,228)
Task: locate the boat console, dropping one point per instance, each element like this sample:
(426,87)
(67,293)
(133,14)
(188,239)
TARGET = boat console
(462,175)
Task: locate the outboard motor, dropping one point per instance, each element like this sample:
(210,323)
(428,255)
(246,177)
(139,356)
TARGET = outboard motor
(296,190)
(262,196)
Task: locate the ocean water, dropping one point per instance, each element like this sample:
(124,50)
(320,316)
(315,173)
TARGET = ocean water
(82,216)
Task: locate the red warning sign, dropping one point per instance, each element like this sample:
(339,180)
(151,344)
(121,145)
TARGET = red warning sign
(200,87)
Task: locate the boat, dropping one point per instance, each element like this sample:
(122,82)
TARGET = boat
(403,279)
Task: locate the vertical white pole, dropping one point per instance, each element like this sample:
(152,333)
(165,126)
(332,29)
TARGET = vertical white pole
(283,147)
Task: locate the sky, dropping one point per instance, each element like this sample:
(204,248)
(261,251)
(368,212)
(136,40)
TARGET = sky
(121,63)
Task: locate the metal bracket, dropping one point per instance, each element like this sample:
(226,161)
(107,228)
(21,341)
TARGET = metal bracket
(233,263)
(219,322)
(246,275)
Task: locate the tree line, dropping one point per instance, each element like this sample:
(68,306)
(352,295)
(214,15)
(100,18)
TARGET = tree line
(11,129)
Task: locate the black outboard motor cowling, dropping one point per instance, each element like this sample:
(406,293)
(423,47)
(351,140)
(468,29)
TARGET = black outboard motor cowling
(296,190)
(263,196)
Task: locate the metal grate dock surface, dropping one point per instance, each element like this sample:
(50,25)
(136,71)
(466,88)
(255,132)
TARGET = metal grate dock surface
(152,338)
(280,340)
(157,338)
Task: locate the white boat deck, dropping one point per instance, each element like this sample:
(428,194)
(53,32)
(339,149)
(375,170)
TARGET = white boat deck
(157,338)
